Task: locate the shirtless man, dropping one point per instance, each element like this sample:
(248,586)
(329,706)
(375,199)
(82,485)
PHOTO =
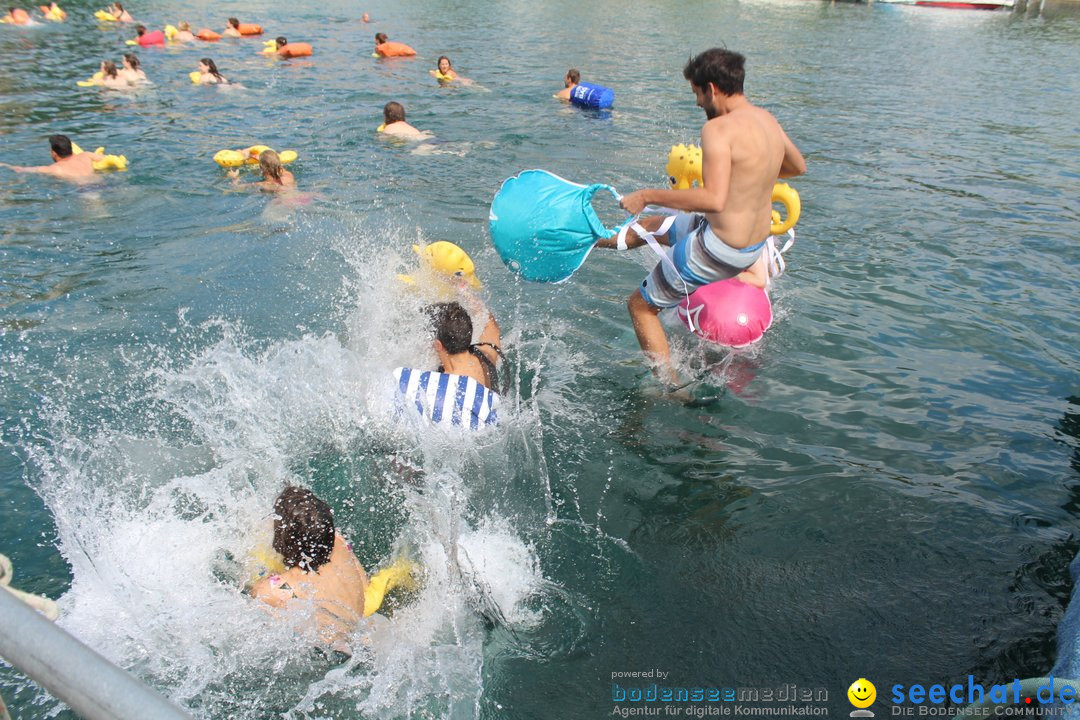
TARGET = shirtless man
(723,231)
(232,29)
(66,164)
(321,569)
(394,123)
(573,77)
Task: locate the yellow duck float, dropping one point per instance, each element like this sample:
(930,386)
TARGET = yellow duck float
(684,171)
(109,162)
(249,156)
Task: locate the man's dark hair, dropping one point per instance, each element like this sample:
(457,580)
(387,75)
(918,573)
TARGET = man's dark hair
(574,75)
(723,68)
(281,41)
(393,112)
(453,326)
(234,22)
(303,529)
(61,145)
(380,38)
(140,30)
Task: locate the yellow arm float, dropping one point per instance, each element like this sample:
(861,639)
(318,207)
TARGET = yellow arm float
(109,162)
(106,16)
(235,158)
(684,171)
(399,574)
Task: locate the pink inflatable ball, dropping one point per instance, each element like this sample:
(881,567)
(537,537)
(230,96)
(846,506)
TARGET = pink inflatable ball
(729,312)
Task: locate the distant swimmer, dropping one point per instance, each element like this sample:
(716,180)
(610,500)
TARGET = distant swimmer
(724,226)
(385,48)
(394,123)
(66,163)
(132,70)
(119,13)
(285,49)
(275,176)
(365,18)
(463,390)
(232,29)
(110,76)
(570,81)
(17,16)
(445,72)
(183,33)
(147,38)
(322,573)
(208,74)
(52,11)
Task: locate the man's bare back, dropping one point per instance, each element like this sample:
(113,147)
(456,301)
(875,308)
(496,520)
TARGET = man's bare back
(79,166)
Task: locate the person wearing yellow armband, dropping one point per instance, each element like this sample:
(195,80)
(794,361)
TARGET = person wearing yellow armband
(445,72)
(67,164)
(322,575)
(119,13)
(183,33)
(275,176)
(208,74)
(394,123)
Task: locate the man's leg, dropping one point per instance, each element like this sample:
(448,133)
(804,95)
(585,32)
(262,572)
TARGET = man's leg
(651,337)
(632,238)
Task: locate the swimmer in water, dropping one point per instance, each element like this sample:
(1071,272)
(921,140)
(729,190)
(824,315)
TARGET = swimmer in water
(110,76)
(445,72)
(232,29)
(183,33)
(322,573)
(457,353)
(66,164)
(117,11)
(132,70)
(365,18)
(208,73)
(275,176)
(17,16)
(394,123)
(573,77)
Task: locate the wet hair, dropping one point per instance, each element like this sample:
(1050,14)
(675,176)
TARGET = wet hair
(132,60)
(441,58)
(118,6)
(723,68)
(303,529)
(185,27)
(270,163)
(393,112)
(574,74)
(281,41)
(109,68)
(61,145)
(453,328)
(233,22)
(212,67)
(380,38)
(140,30)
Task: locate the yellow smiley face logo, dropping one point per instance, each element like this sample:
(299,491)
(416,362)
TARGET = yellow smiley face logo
(862,693)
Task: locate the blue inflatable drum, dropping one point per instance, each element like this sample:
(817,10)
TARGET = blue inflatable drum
(592,96)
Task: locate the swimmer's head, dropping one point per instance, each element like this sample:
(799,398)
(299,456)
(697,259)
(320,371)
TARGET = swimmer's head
(140,30)
(444,64)
(208,65)
(281,42)
(184,27)
(131,62)
(365,18)
(234,23)
(380,38)
(393,112)
(119,7)
(270,164)
(109,68)
(303,529)
(60,145)
(723,68)
(452,326)
(573,77)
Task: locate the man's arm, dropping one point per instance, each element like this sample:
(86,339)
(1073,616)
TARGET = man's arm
(716,174)
(794,163)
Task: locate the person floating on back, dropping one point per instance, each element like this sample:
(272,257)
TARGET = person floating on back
(570,81)
(724,224)
(67,164)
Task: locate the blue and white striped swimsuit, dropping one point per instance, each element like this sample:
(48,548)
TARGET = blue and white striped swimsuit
(446,399)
